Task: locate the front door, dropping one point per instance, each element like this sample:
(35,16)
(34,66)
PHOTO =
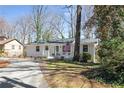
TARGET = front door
(46,51)
(56,50)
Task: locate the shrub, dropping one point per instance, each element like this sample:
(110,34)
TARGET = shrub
(111,51)
(110,74)
(85,57)
(2,53)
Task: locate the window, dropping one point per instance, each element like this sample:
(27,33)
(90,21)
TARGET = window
(19,47)
(57,48)
(37,48)
(13,46)
(46,48)
(85,48)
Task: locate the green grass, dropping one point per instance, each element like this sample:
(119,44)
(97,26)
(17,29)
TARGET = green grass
(71,63)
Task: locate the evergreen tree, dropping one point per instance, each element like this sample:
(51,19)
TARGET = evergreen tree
(109,22)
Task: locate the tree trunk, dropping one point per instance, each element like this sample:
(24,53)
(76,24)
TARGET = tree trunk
(77,35)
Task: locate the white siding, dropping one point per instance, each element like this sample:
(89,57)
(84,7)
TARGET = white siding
(13,52)
(31,50)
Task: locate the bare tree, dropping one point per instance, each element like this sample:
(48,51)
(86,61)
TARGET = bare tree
(47,25)
(24,29)
(70,19)
(57,25)
(87,31)
(2,26)
(6,29)
(38,17)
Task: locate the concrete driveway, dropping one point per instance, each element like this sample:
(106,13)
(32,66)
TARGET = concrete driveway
(22,74)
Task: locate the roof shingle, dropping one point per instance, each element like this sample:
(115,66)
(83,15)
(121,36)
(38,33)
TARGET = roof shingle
(5,41)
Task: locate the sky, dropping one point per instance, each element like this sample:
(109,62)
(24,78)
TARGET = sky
(12,12)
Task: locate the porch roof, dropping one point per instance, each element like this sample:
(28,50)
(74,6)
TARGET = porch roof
(89,41)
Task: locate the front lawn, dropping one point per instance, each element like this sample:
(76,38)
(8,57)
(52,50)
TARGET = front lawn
(63,74)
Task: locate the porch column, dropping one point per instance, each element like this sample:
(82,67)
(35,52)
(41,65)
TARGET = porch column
(94,54)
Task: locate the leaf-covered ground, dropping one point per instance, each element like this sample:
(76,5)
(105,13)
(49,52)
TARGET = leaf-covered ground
(68,75)
(3,63)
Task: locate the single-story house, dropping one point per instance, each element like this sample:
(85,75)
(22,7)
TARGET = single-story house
(60,48)
(11,47)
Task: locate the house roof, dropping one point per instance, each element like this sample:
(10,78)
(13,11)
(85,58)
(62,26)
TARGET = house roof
(56,41)
(62,41)
(66,41)
(8,40)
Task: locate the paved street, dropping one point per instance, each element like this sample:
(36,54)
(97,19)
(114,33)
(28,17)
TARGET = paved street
(22,74)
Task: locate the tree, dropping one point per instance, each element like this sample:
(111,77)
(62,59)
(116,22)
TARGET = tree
(87,32)
(77,36)
(38,16)
(70,19)
(108,21)
(6,29)
(57,24)
(109,24)
(24,28)
(48,33)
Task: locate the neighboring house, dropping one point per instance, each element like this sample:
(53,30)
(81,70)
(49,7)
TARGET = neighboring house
(11,47)
(60,48)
